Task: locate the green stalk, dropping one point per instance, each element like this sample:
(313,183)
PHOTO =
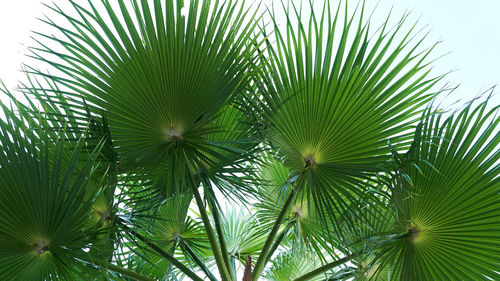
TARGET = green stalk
(325,268)
(164,254)
(263,257)
(220,234)
(210,233)
(197,260)
(233,263)
(117,269)
(277,243)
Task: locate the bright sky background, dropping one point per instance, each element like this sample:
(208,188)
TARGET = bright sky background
(470,30)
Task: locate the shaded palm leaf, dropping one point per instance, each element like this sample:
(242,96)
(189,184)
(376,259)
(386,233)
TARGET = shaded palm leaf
(304,226)
(169,227)
(450,225)
(44,203)
(80,130)
(160,77)
(373,227)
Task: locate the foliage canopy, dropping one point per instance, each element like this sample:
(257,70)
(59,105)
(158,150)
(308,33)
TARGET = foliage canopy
(205,141)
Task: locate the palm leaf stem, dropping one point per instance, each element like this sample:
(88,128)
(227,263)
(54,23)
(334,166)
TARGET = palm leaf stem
(266,250)
(220,235)
(233,263)
(278,241)
(196,259)
(117,269)
(161,252)
(221,265)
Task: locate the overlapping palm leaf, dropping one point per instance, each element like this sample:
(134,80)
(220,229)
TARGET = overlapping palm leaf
(449,226)
(372,228)
(289,266)
(149,100)
(303,225)
(167,79)
(46,109)
(169,227)
(45,204)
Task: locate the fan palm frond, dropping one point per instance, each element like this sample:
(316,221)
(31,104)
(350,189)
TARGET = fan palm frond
(171,229)
(334,100)
(159,76)
(45,204)
(47,110)
(449,229)
(243,235)
(289,266)
(374,225)
(304,227)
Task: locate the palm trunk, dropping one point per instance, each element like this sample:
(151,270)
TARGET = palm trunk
(247,275)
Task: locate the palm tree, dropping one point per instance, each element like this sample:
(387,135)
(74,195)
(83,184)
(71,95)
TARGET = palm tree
(210,142)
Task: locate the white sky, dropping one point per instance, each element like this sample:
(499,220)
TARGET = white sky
(470,30)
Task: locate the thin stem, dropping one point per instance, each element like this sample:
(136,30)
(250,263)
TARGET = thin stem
(325,268)
(277,243)
(220,234)
(210,233)
(164,254)
(261,261)
(117,269)
(233,263)
(197,260)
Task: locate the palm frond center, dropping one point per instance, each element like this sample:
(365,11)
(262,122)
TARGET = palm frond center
(173,134)
(41,247)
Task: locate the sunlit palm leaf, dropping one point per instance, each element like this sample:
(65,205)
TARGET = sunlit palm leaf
(243,235)
(288,266)
(334,100)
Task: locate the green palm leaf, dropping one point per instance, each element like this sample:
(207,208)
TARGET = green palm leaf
(148,101)
(333,107)
(160,77)
(169,227)
(45,204)
(80,130)
(304,227)
(451,223)
(373,227)
(243,235)
(288,266)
